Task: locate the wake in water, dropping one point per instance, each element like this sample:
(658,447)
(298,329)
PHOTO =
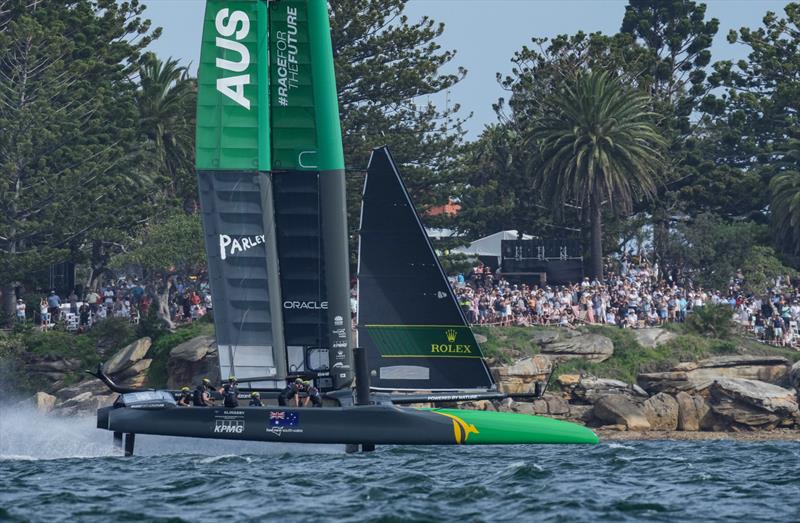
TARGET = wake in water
(27,434)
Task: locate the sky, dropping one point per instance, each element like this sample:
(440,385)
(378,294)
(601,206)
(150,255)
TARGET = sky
(485,33)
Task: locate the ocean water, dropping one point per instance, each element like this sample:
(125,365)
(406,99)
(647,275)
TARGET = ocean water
(66,470)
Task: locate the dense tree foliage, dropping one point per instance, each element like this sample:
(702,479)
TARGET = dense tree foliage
(68,119)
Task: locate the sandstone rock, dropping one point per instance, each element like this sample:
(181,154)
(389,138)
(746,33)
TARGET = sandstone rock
(44,402)
(521,376)
(770,369)
(753,404)
(506,405)
(544,337)
(85,402)
(670,382)
(539,406)
(652,338)
(93,386)
(618,409)
(136,381)
(192,350)
(486,405)
(557,406)
(794,376)
(590,389)
(696,376)
(662,412)
(591,347)
(525,407)
(191,361)
(61,366)
(567,380)
(127,356)
(691,411)
(140,367)
(477,405)
(582,413)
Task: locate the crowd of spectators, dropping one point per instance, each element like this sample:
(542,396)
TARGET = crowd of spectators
(636,295)
(189,299)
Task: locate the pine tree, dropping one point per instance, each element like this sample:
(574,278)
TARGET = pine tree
(68,117)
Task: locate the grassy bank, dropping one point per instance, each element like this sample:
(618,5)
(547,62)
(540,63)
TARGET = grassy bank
(630,358)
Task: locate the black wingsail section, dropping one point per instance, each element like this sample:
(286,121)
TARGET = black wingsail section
(408,318)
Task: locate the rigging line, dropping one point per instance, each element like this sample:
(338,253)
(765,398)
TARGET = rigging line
(319,264)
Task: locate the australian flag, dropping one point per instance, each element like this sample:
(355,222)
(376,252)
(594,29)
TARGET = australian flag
(283,419)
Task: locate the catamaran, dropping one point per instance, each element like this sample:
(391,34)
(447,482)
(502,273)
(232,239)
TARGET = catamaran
(271,174)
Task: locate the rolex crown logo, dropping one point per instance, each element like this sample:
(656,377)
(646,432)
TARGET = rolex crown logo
(451,335)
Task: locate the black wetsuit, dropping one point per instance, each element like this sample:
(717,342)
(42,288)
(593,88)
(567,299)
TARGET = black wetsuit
(315,396)
(197,395)
(230,393)
(286,394)
(255,402)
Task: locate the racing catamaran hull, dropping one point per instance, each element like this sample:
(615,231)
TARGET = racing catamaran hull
(373,425)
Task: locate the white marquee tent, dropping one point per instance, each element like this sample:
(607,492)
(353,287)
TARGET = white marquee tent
(490,245)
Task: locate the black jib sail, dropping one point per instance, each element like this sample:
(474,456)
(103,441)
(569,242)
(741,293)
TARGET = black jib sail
(408,318)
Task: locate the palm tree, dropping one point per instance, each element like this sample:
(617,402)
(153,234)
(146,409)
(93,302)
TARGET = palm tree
(167,111)
(785,202)
(597,145)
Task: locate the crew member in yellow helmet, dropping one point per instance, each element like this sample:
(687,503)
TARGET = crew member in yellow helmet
(185,399)
(230,393)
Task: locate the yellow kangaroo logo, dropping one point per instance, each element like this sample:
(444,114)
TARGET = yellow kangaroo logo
(461,429)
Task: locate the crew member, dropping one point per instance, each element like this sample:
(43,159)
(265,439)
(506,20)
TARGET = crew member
(230,393)
(185,399)
(202,396)
(312,395)
(255,400)
(292,391)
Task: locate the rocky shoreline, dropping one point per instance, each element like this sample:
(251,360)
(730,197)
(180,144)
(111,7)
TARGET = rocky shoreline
(725,397)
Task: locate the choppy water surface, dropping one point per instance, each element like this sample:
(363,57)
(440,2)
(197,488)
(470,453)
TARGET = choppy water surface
(65,470)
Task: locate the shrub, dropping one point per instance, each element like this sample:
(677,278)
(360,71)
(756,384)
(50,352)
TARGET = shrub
(711,321)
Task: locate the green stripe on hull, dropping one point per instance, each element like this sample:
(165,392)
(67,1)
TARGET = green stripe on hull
(478,427)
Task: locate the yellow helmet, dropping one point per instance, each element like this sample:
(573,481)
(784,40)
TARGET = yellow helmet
(255,394)
(185,389)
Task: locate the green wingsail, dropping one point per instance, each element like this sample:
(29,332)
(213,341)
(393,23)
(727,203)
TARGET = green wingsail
(477,427)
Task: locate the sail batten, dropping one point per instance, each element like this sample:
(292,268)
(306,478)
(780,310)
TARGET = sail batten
(408,319)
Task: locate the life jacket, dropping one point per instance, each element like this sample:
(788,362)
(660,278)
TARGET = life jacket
(197,396)
(229,395)
(256,402)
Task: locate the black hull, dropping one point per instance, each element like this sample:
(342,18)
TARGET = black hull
(368,425)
